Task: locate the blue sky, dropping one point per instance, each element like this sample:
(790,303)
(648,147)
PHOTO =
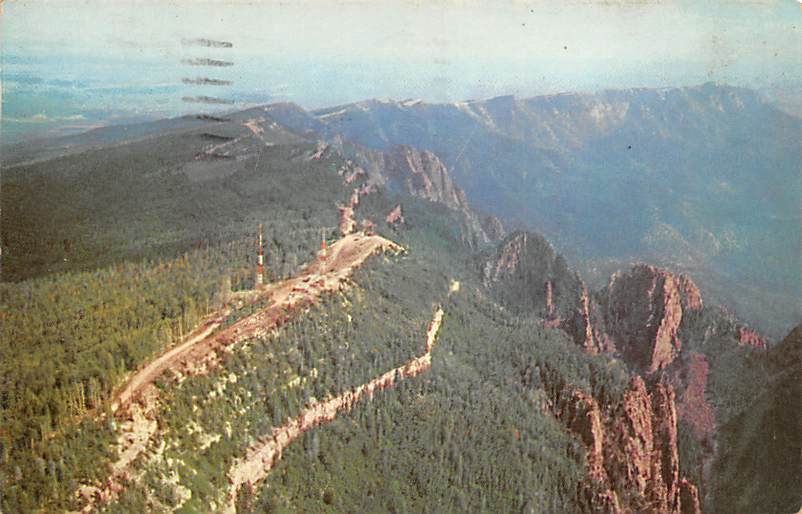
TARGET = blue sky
(77,64)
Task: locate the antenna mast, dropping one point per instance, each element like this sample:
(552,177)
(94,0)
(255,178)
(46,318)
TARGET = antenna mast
(261,261)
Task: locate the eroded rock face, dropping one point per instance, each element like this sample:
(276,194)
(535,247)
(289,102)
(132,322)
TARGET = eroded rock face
(689,293)
(581,414)
(506,261)
(421,173)
(689,498)
(585,325)
(528,275)
(693,406)
(643,312)
(395,217)
(632,459)
(748,337)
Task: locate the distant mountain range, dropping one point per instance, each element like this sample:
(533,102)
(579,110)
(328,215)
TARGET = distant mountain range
(700,179)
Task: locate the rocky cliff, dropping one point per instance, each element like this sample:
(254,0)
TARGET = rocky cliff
(655,322)
(418,173)
(643,311)
(632,453)
(422,174)
(527,275)
(759,456)
(749,337)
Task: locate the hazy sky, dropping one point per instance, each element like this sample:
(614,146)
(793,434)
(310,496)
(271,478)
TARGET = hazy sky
(73,60)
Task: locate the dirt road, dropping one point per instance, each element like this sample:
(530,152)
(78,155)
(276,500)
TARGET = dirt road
(136,406)
(265,454)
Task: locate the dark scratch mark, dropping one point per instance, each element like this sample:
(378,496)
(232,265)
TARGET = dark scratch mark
(206,62)
(204,81)
(206,42)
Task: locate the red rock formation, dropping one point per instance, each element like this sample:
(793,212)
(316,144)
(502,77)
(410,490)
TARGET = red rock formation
(693,407)
(587,333)
(689,498)
(691,297)
(395,216)
(632,459)
(748,337)
(422,174)
(583,323)
(665,467)
(549,299)
(563,301)
(644,310)
(582,416)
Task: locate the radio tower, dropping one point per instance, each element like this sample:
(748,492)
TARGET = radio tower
(261,261)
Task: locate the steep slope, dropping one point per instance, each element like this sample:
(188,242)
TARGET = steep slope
(643,314)
(633,457)
(760,464)
(529,277)
(417,173)
(655,322)
(163,227)
(422,174)
(262,456)
(468,436)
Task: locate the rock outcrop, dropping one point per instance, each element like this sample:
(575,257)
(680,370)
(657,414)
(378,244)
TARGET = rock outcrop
(690,376)
(527,275)
(422,174)
(632,453)
(395,217)
(748,337)
(643,312)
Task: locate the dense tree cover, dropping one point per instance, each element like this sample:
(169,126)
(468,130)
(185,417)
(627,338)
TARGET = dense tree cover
(68,339)
(68,342)
(166,242)
(210,420)
(738,377)
(471,435)
(153,199)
